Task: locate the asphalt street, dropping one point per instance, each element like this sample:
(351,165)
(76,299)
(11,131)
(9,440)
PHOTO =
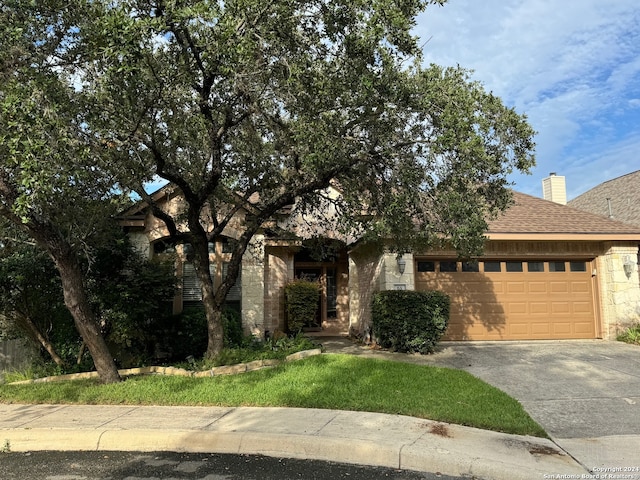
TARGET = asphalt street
(184,466)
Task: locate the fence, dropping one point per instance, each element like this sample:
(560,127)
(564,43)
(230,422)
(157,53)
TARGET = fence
(15,354)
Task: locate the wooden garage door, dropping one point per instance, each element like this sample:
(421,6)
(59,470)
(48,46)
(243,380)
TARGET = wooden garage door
(513,300)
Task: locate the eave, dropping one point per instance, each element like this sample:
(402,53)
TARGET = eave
(573,237)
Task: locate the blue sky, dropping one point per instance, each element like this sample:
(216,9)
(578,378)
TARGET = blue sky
(572,66)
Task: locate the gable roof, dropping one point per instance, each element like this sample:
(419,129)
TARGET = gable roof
(528,218)
(624,195)
(135,215)
(534,218)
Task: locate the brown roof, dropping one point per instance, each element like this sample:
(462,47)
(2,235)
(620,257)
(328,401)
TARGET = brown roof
(536,217)
(624,195)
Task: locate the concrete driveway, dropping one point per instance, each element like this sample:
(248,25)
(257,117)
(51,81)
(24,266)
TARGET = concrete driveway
(585,394)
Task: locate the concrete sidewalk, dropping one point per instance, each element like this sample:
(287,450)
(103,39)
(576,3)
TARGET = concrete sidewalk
(350,437)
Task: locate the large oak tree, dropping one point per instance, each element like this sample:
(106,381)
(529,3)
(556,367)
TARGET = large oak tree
(255,105)
(52,185)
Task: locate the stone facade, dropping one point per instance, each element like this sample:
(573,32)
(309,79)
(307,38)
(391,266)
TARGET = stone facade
(391,278)
(279,270)
(365,273)
(270,263)
(253,287)
(619,293)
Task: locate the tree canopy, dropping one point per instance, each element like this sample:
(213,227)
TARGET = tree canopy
(266,104)
(53,184)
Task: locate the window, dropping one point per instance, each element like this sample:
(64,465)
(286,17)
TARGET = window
(578,266)
(448,266)
(235,291)
(472,266)
(535,266)
(556,266)
(424,266)
(492,267)
(514,266)
(191,285)
(332,293)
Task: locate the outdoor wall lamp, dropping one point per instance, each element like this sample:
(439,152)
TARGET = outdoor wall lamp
(628,266)
(402,263)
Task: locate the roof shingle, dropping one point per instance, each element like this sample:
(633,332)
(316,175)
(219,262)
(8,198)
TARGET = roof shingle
(624,195)
(532,215)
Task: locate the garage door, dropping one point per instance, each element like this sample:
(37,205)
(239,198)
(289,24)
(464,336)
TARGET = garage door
(513,300)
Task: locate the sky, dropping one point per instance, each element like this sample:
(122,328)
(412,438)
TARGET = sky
(571,66)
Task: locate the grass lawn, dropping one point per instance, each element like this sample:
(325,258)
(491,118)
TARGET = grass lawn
(342,382)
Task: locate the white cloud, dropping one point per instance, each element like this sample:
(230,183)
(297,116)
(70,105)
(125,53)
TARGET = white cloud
(573,67)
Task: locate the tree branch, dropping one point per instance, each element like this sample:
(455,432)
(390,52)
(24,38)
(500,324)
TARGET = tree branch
(160,214)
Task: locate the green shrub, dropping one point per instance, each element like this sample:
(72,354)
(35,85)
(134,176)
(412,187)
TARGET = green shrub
(186,334)
(631,335)
(232,325)
(302,304)
(255,349)
(408,321)
(127,293)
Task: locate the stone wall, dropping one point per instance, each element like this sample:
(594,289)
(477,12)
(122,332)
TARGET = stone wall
(371,271)
(365,269)
(253,287)
(619,292)
(390,276)
(279,269)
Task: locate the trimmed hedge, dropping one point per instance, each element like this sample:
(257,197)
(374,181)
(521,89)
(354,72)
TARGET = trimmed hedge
(302,304)
(409,321)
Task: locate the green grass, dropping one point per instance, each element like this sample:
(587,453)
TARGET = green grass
(341,382)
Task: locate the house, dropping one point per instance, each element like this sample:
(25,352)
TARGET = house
(617,199)
(549,272)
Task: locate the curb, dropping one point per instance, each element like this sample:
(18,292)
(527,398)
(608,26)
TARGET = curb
(392,441)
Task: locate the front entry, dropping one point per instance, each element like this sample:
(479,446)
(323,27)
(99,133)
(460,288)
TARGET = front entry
(332,275)
(328,302)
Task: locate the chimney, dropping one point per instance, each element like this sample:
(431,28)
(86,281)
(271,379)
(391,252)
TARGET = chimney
(554,189)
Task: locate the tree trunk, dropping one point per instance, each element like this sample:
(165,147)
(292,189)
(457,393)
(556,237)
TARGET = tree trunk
(75,298)
(83,347)
(37,335)
(74,291)
(215,330)
(212,308)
